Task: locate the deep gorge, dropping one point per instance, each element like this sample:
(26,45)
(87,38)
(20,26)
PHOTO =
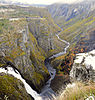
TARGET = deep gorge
(41,45)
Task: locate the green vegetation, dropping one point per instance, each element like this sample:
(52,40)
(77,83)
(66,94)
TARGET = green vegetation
(31,38)
(12,88)
(77,29)
(22,49)
(4,24)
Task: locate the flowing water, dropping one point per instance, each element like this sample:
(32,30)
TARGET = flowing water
(47,93)
(15,73)
(65,49)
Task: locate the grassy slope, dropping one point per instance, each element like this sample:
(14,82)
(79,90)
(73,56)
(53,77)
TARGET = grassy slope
(75,31)
(80,91)
(78,28)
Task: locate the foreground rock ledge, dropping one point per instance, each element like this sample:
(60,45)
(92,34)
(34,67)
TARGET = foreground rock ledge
(12,88)
(84,67)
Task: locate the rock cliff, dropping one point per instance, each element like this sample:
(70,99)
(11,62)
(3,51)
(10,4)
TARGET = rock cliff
(12,88)
(84,67)
(20,47)
(27,38)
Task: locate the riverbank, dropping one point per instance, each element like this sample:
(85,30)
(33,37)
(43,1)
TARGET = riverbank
(55,79)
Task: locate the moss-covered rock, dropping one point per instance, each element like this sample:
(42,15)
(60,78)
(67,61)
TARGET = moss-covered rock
(20,47)
(12,88)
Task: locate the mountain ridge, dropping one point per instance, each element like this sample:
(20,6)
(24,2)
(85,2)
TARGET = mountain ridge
(68,11)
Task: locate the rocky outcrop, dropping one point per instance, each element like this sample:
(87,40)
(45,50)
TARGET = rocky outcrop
(12,88)
(82,79)
(44,30)
(83,68)
(20,47)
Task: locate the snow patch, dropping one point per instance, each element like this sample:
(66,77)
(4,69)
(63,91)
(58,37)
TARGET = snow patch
(78,59)
(90,61)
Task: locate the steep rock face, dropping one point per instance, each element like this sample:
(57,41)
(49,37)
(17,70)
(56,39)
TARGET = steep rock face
(27,37)
(44,30)
(20,47)
(76,19)
(84,67)
(12,88)
(69,11)
(41,30)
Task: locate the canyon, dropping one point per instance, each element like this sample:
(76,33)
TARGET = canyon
(39,47)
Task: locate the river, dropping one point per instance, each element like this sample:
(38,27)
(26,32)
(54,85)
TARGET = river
(47,93)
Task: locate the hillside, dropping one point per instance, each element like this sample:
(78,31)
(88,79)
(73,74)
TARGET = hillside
(27,38)
(65,12)
(18,46)
(78,30)
(40,45)
(78,24)
(12,88)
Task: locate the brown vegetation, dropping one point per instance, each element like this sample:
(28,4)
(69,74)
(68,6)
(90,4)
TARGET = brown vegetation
(77,91)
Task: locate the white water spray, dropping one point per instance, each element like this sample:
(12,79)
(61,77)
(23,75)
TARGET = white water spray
(16,74)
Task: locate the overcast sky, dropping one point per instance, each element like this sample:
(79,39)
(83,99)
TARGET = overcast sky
(45,1)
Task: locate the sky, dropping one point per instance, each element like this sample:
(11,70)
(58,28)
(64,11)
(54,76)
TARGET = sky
(45,1)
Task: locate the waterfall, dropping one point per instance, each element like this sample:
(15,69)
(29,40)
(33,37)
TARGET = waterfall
(16,74)
(47,93)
